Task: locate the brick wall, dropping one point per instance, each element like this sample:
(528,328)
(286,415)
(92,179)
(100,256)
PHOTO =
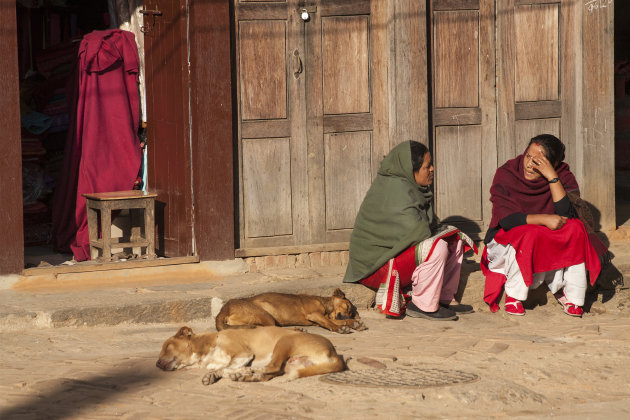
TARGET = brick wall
(306,260)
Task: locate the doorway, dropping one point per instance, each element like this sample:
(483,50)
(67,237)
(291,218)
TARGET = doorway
(622,113)
(48,41)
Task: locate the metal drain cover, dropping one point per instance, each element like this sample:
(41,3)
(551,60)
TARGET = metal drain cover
(402,377)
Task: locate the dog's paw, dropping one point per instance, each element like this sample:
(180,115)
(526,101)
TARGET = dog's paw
(344,329)
(246,375)
(210,378)
(359,325)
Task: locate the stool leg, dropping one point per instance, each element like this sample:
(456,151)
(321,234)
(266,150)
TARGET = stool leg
(149,227)
(136,227)
(93,230)
(106,231)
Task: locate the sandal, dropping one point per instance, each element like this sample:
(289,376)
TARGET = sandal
(514,306)
(569,308)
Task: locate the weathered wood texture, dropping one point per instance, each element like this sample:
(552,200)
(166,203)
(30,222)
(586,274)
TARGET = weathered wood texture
(408,98)
(347,176)
(212,133)
(263,70)
(168,131)
(536,66)
(93,265)
(533,39)
(267,186)
(464,109)
(456,59)
(598,125)
(100,207)
(345,64)
(305,120)
(11,231)
(458,151)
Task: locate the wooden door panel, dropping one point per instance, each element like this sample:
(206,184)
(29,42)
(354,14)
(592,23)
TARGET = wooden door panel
(272,157)
(526,129)
(267,187)
(11,219)
(341,49)
(458,154)
(536,67)
(305,120)
(456,59)
(345,64)
(464,138)
(168,149)
(348,176)
(262,59)
(530,51)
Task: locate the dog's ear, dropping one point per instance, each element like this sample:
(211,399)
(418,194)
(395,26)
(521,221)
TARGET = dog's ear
(338,293)
(185,332)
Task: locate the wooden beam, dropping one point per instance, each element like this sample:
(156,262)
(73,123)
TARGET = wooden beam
(11,221)
(93,265)
(456,116)
(212,136)
(289,250)
(537,110)
(598,112)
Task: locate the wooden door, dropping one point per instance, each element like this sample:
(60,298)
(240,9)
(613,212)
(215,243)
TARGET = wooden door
(168,138)
(11,234)
(305,120)
(534,84)
(463,109)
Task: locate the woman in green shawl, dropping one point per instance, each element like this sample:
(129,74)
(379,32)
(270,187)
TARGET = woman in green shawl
(397,241)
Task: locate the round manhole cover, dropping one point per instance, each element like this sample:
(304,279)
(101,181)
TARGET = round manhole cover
(405,377)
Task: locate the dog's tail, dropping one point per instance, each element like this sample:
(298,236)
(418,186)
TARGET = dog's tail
(336,364)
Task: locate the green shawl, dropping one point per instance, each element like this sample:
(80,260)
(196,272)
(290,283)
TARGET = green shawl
(395,214)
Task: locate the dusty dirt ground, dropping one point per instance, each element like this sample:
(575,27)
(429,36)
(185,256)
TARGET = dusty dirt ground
(543,364)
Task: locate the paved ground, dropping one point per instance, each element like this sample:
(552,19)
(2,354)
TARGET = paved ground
(542,364)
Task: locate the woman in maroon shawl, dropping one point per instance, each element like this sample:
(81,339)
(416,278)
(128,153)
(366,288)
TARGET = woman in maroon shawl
(535,235)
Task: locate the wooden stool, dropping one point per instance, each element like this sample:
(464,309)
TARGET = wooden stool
(107,202)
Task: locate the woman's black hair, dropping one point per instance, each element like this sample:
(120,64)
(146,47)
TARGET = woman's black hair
(554,149)
(418,150)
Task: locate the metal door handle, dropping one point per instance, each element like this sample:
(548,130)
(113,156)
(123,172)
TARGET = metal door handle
(306,11)
(298,64)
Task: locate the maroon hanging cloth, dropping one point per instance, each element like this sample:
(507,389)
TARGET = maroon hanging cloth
(102,148)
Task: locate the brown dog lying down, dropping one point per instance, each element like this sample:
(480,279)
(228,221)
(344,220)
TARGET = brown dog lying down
(250,355)
(335,313)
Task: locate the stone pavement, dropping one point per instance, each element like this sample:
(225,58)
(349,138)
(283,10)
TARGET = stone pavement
(85,346)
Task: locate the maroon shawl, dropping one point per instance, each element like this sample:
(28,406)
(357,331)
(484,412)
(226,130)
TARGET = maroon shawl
(512,193)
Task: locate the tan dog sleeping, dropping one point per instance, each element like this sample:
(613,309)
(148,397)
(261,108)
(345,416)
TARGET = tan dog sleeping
(335,313)
(250,355)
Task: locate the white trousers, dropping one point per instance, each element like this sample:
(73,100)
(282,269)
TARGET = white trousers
(502,259)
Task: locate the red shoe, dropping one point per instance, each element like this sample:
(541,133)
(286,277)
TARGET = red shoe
(513,306)
(573,310)
(569,308)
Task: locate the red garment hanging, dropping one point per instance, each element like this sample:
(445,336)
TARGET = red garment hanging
(102,148)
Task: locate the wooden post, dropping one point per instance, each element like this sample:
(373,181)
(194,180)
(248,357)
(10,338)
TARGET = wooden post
(598,110)
(11,233)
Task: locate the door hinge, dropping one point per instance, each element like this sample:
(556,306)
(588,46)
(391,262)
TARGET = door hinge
(153,13)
